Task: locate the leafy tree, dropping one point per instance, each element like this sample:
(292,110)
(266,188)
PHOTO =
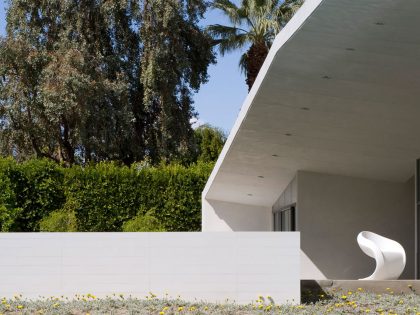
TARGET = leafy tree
(254,23)
(166,78)
(101,80)
(210,142)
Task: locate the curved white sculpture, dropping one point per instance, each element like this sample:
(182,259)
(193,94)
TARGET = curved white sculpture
(389,255)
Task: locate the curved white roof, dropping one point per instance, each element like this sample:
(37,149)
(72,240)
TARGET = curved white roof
(339,93)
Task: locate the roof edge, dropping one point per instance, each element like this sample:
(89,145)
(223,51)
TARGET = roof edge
(306,10)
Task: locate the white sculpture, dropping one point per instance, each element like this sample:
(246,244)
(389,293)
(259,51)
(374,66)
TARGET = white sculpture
(389,255)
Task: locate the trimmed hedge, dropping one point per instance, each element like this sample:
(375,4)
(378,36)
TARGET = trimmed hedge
(143,223)
(29,192)
(102,197)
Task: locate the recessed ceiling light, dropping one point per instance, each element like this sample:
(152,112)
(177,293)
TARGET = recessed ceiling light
(326,77)
(260,176)
(380,23)
(288,134)
(304,108)
(275,155)
(350,49)
(249,194)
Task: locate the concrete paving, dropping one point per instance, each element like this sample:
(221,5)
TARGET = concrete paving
(375,286)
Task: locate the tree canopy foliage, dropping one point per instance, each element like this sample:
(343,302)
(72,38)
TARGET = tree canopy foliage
(97,80)
(209,143)
(255,23)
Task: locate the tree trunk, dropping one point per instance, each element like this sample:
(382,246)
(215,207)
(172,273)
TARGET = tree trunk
(256,55)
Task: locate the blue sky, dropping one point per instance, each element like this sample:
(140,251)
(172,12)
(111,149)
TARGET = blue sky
(218,102)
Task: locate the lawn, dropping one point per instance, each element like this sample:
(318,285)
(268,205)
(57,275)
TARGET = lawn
(333,302)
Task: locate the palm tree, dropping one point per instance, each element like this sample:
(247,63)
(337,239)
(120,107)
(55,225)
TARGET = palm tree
(254,23)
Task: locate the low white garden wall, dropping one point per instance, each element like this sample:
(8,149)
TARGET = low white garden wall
(211,266)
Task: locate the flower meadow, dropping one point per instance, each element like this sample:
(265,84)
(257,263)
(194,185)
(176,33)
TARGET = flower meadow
(331,302)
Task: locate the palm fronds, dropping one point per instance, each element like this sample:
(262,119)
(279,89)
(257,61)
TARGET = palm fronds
(253,23)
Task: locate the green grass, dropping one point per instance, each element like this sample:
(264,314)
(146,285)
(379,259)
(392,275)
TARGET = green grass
(334,302)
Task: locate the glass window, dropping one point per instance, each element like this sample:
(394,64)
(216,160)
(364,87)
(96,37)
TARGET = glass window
(285,219)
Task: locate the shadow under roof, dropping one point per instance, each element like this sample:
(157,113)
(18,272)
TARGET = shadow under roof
(339,93)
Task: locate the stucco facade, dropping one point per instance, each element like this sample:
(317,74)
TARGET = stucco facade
(330,211)
(331,125)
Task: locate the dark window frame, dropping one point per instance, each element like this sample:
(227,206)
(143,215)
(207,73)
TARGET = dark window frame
(279,212)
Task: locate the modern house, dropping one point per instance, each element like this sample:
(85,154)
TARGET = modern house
(327,140)
(325,145)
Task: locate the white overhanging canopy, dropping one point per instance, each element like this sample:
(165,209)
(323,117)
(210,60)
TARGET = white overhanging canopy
(339,93)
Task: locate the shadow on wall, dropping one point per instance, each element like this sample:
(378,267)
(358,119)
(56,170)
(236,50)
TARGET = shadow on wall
(308,269)
(228,216)
(333,210)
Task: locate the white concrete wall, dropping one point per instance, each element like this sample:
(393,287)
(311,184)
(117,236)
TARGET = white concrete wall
(308,270)
(227,216)
(332,210)
(209,266)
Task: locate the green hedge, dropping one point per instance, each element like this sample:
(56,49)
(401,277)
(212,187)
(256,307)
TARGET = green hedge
(102,197)
(29,191)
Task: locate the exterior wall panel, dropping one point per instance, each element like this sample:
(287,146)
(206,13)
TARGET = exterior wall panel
(333,209)
(207,266)
(288,196)
(227,216)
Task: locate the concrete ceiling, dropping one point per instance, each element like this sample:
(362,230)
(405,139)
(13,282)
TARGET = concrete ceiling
(339,93)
